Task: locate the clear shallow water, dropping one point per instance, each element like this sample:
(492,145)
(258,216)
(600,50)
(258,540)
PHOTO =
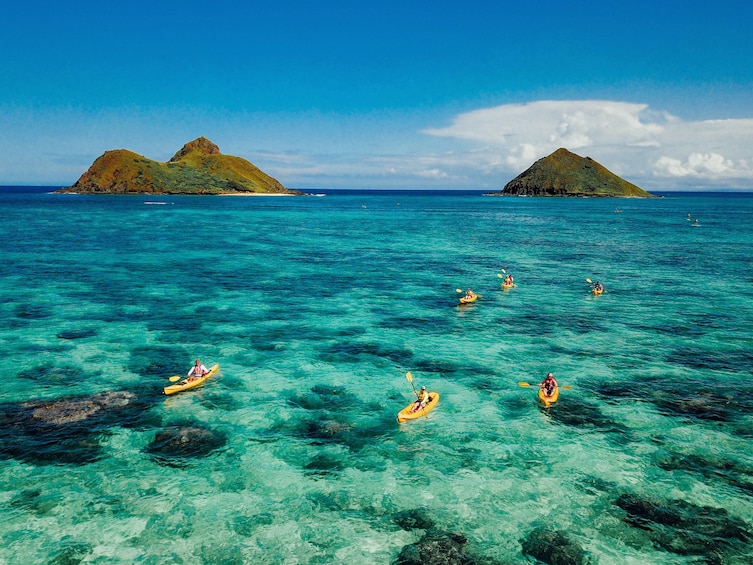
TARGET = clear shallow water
(315,308)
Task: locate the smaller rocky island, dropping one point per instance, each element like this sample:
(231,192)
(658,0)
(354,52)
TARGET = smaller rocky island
(198,168)
(566,174)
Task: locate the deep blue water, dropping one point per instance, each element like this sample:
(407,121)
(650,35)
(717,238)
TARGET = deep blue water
(315,309)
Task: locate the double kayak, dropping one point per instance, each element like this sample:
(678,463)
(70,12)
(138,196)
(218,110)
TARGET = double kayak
(407,413)
(506,286)
(548,400)
(187,384)
(468,299)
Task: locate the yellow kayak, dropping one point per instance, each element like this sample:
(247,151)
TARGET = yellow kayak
(549,400)
(185,384)
(466,300)
(506,286)
(407,413)
(597,292)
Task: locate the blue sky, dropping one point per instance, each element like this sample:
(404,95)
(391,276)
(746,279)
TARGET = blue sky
(383,94)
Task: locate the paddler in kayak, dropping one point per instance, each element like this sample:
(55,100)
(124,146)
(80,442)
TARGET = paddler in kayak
(422,401)
(508,281)
(468,294)
(197,371)
(549,385)
(598,287)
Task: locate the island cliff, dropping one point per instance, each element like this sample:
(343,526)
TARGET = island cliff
(198,168)
(566,174)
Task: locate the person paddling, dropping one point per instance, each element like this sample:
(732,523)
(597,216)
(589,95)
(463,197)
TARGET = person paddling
(197,371)
(549,384)
(422,401)
(508,281)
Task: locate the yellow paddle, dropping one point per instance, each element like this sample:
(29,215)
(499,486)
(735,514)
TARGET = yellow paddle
(589,281)
(410,380)
(175,378)
(525,384)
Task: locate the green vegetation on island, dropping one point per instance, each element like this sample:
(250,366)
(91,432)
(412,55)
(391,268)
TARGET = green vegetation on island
(566,174)
(198,168)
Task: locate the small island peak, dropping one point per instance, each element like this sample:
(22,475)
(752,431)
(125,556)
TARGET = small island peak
(199,145)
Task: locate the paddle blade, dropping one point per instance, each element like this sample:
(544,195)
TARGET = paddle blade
(523,384)
(505,272)
(458,290)
(566,386)
(589,281)
(409,377)
(500,275)
(175,378)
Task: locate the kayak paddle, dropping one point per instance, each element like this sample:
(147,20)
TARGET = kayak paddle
(410,380)
(525,384)
(175,378)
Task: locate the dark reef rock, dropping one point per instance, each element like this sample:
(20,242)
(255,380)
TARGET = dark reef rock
(80,333)
(175,445)
(413,520)
(436,548)
(686,529)
(566,174)
(65,411)
(66,430)
(553,548)
(584,415)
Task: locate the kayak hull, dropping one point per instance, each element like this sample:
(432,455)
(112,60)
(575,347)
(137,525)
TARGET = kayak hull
(507,286)
(188,385)
(597,292)
(465,300)
(549,400)
(406,414)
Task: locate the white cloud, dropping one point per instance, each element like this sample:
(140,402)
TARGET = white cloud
(700,165)
(651,148)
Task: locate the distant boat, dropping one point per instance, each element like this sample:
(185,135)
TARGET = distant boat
(155,203)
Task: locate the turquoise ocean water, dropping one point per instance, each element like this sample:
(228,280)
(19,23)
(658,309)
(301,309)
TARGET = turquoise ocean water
(315,309)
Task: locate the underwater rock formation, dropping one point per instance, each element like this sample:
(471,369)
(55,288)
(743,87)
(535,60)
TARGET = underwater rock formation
(436,548)
(683,528)
(175,444)
(66,430)
(65,411)
(414,519)
(553,547)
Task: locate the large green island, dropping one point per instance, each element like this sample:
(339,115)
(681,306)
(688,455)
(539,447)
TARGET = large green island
(566,174)
(198,168)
